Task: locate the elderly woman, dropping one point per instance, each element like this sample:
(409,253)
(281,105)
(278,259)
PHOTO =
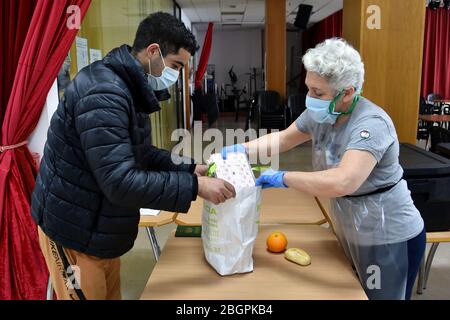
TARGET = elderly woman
(355,160)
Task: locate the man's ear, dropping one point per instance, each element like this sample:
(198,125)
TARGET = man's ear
(152,49)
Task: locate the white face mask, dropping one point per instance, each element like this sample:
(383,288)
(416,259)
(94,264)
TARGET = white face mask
(167,79)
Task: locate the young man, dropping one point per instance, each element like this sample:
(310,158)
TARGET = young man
(99,166)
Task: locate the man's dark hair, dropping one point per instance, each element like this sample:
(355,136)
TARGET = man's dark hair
(170,33)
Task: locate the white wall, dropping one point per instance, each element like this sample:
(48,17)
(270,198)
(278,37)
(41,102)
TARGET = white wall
(200,43)
(37,139)
(187,22)
(241,48)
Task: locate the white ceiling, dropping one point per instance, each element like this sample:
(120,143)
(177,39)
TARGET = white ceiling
(249,13)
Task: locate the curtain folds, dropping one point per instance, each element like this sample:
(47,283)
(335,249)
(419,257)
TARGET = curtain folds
(436,57)
(204,58)
(23,274)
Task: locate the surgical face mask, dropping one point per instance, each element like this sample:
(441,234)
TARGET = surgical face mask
(322,111)
(167,79)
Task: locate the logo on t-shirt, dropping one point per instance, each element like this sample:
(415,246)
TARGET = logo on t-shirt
(365,134)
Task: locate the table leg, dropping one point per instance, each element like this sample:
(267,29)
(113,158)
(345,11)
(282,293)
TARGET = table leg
(429,262)
(421,277)
(153,242)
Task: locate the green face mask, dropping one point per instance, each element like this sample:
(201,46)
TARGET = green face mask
(336,99)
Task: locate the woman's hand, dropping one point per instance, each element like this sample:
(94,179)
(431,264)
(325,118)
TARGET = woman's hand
(271,179)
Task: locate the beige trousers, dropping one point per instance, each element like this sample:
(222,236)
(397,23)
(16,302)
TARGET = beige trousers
(87,276)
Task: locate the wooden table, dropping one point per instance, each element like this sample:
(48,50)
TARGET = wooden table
(194,216)
(279,206)
(156,221)
(434,117)
(150,222)
(183,273)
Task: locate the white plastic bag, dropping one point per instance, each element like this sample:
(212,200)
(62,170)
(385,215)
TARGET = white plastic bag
(229,230)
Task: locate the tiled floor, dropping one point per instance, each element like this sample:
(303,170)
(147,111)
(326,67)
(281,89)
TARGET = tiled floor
(139,262)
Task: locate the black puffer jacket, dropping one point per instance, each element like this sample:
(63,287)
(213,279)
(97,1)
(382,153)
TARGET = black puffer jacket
(99,166)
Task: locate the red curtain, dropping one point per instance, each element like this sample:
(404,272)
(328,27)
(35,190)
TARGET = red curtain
(204,58)
(436,57)
(330,27)
(23,274)
(15,18)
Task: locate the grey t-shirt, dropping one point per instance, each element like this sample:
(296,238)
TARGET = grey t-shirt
(370,129)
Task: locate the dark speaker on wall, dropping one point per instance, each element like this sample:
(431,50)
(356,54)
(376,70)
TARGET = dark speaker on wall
(303,15)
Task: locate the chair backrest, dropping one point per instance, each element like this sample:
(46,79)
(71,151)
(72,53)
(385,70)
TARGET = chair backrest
(433,97)
(256,97)
(210,106)
(297,104)
(422,100)
(424,107)
(446,109)
(269,101)
(438,135)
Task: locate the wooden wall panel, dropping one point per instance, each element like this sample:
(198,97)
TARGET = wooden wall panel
(352,22)
(392,56)
(275,44)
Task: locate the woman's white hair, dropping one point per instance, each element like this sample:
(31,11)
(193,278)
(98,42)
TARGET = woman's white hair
(338,62)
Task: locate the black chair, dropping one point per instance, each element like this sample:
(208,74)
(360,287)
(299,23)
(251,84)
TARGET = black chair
(296,106)
(205,103)
(423,130)
(438,135)
(252,110)
(212,111)
(446,112)
(197,104)
(434,100)
(424,107)
(272,114)
(432,97)
(446,109)
(241,105)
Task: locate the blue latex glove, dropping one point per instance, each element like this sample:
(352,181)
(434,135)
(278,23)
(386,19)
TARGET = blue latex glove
(271,179)
(236,148)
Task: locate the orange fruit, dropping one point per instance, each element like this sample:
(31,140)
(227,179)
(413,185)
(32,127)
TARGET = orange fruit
(276,242)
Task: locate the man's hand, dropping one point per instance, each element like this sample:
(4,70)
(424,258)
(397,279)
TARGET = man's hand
(201,170)
(215,190)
